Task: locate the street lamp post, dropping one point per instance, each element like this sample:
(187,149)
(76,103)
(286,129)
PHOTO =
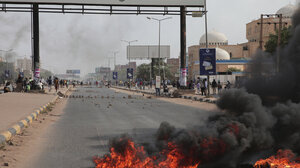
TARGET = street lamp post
(129,42)
(115,53)
(159,23)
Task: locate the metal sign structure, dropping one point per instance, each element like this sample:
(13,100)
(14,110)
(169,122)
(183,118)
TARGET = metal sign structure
(7,73)
(115,75)
(129,73)
(190,3)
(182,8)
(207,61)
(135,7)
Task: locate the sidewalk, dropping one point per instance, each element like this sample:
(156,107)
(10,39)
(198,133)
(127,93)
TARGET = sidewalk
(16,106)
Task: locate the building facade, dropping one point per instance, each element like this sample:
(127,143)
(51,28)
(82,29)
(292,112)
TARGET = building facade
(173,64)
(24,64)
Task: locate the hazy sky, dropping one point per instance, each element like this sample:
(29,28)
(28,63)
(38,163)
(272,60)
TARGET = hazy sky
(74,41)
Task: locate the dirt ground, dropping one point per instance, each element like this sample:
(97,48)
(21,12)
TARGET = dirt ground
(185,102)
(20,149)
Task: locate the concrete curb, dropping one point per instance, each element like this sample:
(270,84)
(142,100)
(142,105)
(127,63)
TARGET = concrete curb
(17,128)
(206,100)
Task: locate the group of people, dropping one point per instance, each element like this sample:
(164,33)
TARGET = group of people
(24,84)
(202,86)
(59,83)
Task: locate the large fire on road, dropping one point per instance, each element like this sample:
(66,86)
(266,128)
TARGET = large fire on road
(136,157)
(131,156)
(283,159)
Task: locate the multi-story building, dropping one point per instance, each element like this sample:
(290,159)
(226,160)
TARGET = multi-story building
(124,67)
(103,73)
(24,64)
(173,64)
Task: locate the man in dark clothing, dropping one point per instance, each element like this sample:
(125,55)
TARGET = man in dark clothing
(214,86)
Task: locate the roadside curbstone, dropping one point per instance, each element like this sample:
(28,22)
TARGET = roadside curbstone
(17,128)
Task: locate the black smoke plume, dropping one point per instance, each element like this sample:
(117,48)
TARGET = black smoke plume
(246,130)
(270,85)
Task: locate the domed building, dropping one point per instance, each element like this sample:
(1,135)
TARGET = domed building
(214,38)
(222,54)
(226,54)
(287,11)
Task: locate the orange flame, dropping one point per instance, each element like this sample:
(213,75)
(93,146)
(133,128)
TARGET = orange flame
(283,159)
(135,157)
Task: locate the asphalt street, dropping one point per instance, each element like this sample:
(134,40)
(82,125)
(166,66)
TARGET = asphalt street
(87,124)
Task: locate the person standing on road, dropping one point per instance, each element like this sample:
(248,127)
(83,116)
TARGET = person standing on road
(214,86)
(228,85)
(205,86)
(56,84)
(202,86)
(198,87)
(219,87)
(49,81)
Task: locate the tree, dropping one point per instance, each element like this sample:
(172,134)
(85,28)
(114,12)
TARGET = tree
(233,69)
(271,44)
(45,73)
(143,71)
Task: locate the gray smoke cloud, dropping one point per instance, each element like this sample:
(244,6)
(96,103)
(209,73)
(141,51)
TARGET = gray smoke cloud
(82,43)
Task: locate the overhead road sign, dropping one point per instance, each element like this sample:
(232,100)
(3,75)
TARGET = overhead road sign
(170,3)
(74,71)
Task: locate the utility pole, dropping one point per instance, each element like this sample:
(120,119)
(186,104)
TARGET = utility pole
(129,42)
(36,41)
(183,44)
(279,42)
(159,27)
(128,53)
(280,16)
(206,44)
(261,32)
(115,62)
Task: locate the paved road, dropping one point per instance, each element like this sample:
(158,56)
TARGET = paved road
(88,123)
